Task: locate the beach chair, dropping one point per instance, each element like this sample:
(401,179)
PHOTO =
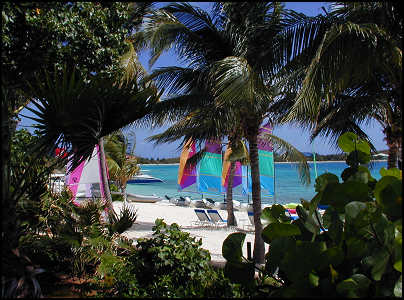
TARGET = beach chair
(203,218)
(251,226)
(183,201)
(216,218)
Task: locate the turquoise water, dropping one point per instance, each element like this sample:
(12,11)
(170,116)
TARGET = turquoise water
(287,184)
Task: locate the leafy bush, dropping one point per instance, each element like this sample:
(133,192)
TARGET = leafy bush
(353,250)
(170,264)
(115,197)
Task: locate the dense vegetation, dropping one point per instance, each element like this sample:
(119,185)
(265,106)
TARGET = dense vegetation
(245,63)
(353,250)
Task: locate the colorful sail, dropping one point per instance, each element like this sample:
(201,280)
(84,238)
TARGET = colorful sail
(187,175)
(237,179)
(85,180)
(266,166)
(210,169)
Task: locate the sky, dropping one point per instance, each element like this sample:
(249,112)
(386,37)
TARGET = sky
(298,137)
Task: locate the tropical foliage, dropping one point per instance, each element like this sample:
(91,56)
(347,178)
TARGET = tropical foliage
(353,250)
(170,264)
(122,165)
(341,89)
(229,83)
(243,64)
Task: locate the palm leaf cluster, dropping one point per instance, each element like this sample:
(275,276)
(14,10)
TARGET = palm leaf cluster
(74,114)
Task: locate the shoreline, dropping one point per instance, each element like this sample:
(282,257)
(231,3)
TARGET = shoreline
(278,162)
(212,237)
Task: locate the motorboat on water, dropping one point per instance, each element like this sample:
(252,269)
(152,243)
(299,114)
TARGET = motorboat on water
(143,178)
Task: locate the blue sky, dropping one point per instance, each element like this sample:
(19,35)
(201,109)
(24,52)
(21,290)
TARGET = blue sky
(294,135)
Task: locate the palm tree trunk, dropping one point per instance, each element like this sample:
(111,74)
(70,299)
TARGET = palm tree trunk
(392,158)
(259,248)
(231,220)
(9,226)
(393,147)
(104,176)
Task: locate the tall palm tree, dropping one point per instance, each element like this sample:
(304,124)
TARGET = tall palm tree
(122,164)
(235,55)
(370,84)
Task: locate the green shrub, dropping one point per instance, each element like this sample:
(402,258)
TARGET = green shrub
(170,264)
(353,250)
(115,197)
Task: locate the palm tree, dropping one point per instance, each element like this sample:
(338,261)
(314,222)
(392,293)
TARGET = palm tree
(75,114)
(122,164)
(370,84)
(236,56)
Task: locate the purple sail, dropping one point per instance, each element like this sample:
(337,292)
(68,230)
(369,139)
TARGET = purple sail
(262,143)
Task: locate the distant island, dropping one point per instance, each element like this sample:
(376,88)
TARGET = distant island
(277,158)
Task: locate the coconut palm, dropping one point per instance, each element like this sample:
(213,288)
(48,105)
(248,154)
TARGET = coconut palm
(122,164)
(235,55)
(370,84)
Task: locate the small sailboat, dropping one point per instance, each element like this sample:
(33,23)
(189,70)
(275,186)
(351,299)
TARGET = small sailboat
(85,181)
(210,175)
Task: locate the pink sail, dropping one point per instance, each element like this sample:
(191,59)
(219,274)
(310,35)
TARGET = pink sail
(85,181)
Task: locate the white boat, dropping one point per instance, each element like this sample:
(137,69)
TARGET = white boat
(143,178)
(143,198)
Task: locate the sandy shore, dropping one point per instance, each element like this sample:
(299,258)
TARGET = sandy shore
(212,239)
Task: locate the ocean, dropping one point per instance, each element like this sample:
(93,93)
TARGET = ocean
(288,187)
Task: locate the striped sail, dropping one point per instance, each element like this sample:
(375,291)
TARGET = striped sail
(187,175)
(266,166)
(210,169)
(237,179)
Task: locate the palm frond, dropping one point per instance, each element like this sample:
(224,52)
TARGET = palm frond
(291,154)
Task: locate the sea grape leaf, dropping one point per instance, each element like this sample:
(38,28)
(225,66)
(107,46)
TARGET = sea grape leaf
(355,286)
(378,263)
(309,221)
(323,180)
(349,142)
(395,172)
(278,252)
(332,256)
(357,157)
(232,247)
(240,272)
(267,215)
(277,211)
(340,194)
(388,193)
(276,230)
(301,260)
(313,279)
(332,221)
(353,209)
(356,248)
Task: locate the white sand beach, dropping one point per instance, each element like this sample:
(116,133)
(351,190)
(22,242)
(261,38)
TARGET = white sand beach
(212,239)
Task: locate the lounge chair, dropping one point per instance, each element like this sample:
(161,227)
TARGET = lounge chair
(216,218)
(183,201)
(251,226)
(203,218)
